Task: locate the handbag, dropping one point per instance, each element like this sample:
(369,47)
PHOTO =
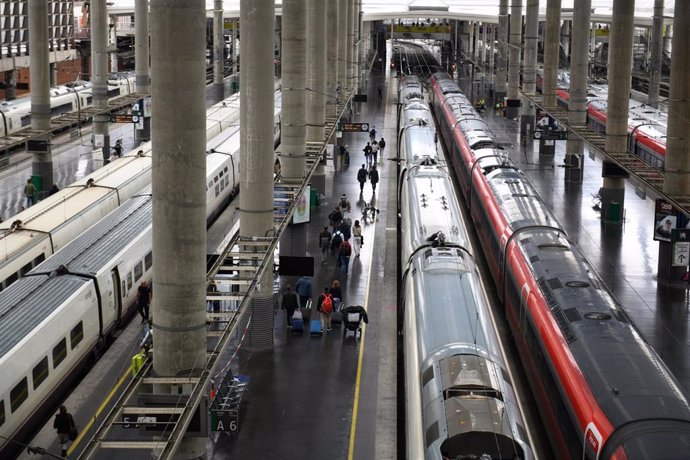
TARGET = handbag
(73,431)
(297,315)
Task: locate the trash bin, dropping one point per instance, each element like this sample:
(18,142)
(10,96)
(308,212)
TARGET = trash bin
(314,199)
(614,211)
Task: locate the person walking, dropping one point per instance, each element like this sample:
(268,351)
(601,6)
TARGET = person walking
(143,300)
(303,290)
(325,306)
(118,148)
(30,193)
(336,291)
(358,238)
(290,304)
(374,177)
(324,244)
(372,133)
(344,254)
(346,228)
(382,145)
(362,175)
(375,151)
(335,217)
(367,152)
(64,424)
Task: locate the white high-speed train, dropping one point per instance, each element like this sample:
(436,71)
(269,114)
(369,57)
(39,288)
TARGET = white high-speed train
(34,234)
(460,402)
(16,114)
(54,317)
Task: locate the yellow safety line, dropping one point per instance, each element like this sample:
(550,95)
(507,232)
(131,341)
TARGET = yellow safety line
(105,402)
(358,381)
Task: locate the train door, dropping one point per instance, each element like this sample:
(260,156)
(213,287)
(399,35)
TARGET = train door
(117,294)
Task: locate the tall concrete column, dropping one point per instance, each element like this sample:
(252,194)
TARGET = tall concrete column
(502,58)
(356,40)
(656,46)
(343,25)
(99,74)
(470,42)
(39,84)
(218,43)
(529,75)
(256,162)
(475,47)
(620,61)
(577,105)
(350,43)
(178,43)
(332,54)
(141,62)
(565,37)
(11,84)
(677,167)
(316,70)
(141,46)
(235,51)
(294,81)
(668,39)
(492,48)
(485,30)
(112,45)
(53,74)
(514,58)
(551,40)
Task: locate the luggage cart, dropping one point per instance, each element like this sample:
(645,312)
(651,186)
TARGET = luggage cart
(352,319)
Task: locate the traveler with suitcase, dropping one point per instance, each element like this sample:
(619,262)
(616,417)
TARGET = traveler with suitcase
(290,304)
(325,306)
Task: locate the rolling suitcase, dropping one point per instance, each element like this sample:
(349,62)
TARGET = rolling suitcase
(315,327)
(336,315)
(297,323)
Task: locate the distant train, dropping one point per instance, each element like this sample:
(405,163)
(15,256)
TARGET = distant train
(15,115)
(31,236)
(646,125)
(460,402)
(55,317)
(602,391)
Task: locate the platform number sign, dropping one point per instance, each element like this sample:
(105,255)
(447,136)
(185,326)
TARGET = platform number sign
(227,421)
(681,247)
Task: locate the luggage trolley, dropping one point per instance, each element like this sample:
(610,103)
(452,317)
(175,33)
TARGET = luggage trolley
(352,319)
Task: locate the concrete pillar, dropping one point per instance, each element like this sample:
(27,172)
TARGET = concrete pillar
(316,70)
(553,25)
(577,105)
(529,67)
(343,26)
(39,84)
(235,50)
(502,57)
(332,55)
(620,61)
(218,43)
(677,181)
(475,46)
(294,81)
(668,39)
(514,58)
(492,48)
(656,45)
(565,37)
(11,84)
(356,44)
(350,44)
(53,74)
(485,34)
(178,44)
(256,161)
(112,45)
(99,74)
(141,62)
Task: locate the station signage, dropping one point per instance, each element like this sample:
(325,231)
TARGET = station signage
(354,127)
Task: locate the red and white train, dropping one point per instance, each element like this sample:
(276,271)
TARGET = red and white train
(602,391)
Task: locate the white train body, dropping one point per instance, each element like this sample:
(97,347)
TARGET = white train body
(15,115)
(34,234)
(105,267)
(458,395)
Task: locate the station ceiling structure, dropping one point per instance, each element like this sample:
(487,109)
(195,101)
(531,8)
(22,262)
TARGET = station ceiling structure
(453,9)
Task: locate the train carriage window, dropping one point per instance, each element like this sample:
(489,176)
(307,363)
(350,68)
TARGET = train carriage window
(13,277)
(138,271)
(148,261)
(217,190)
(39,259)
(129,281)
(18,395)
(40,372)
(76,335)
(25,269)
(26,120)
(2,413)
(59,352)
